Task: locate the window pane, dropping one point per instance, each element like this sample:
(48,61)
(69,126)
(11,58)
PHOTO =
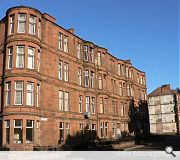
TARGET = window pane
(60,100)
(31,58)
(29,131)
(32,25)
(21,23)
(8,93)
(20,57)
(18,92)
(66,96)
(18,131)
(10,57)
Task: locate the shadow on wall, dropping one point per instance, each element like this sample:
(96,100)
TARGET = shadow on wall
(85,140)
(139,120)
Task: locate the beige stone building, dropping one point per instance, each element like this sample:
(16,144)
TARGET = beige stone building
(54,83)
(164,110)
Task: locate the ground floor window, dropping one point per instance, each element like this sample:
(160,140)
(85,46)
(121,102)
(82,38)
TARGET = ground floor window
(18,131)
(7,134)
(37,132)
(67,129)
(61,131)
(29,131)
(102,129)
(106,129)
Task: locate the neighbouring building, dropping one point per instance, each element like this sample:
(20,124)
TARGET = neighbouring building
(54,84)
(164,107)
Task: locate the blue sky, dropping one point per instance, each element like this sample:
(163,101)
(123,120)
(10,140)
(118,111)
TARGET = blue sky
(145,31)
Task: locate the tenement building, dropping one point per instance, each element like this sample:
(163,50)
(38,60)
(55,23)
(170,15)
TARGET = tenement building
(54,84)
(164,110)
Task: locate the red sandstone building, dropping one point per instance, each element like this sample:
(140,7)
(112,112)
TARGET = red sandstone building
(54,84)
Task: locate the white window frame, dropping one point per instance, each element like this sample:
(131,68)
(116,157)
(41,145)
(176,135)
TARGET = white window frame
(65,44)
(32,23)
(60,66)
(18,55)
(31,127)
(21,20)
(101,129)
(60,41)
(39,28)
(61,100)
(127,72)
(79,51)
(80,76)
(66,72)
(122,109)
(30,92)
(67,129)
(85,53)
(106,129)
(80,104)
(101,105)
(38,61)
(18,90)
(7,129)
(10,52)
(81,126)
(38,95)
(8,93)
(99,58)
(120,89)
(86,79)
(92,79)
(93,127)
(12,18)
(91,54)
(93,105)
(100,82)
(16,127)
(66,101)
(87,104)
(31,53)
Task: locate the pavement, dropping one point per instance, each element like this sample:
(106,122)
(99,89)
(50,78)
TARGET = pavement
(157,143)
